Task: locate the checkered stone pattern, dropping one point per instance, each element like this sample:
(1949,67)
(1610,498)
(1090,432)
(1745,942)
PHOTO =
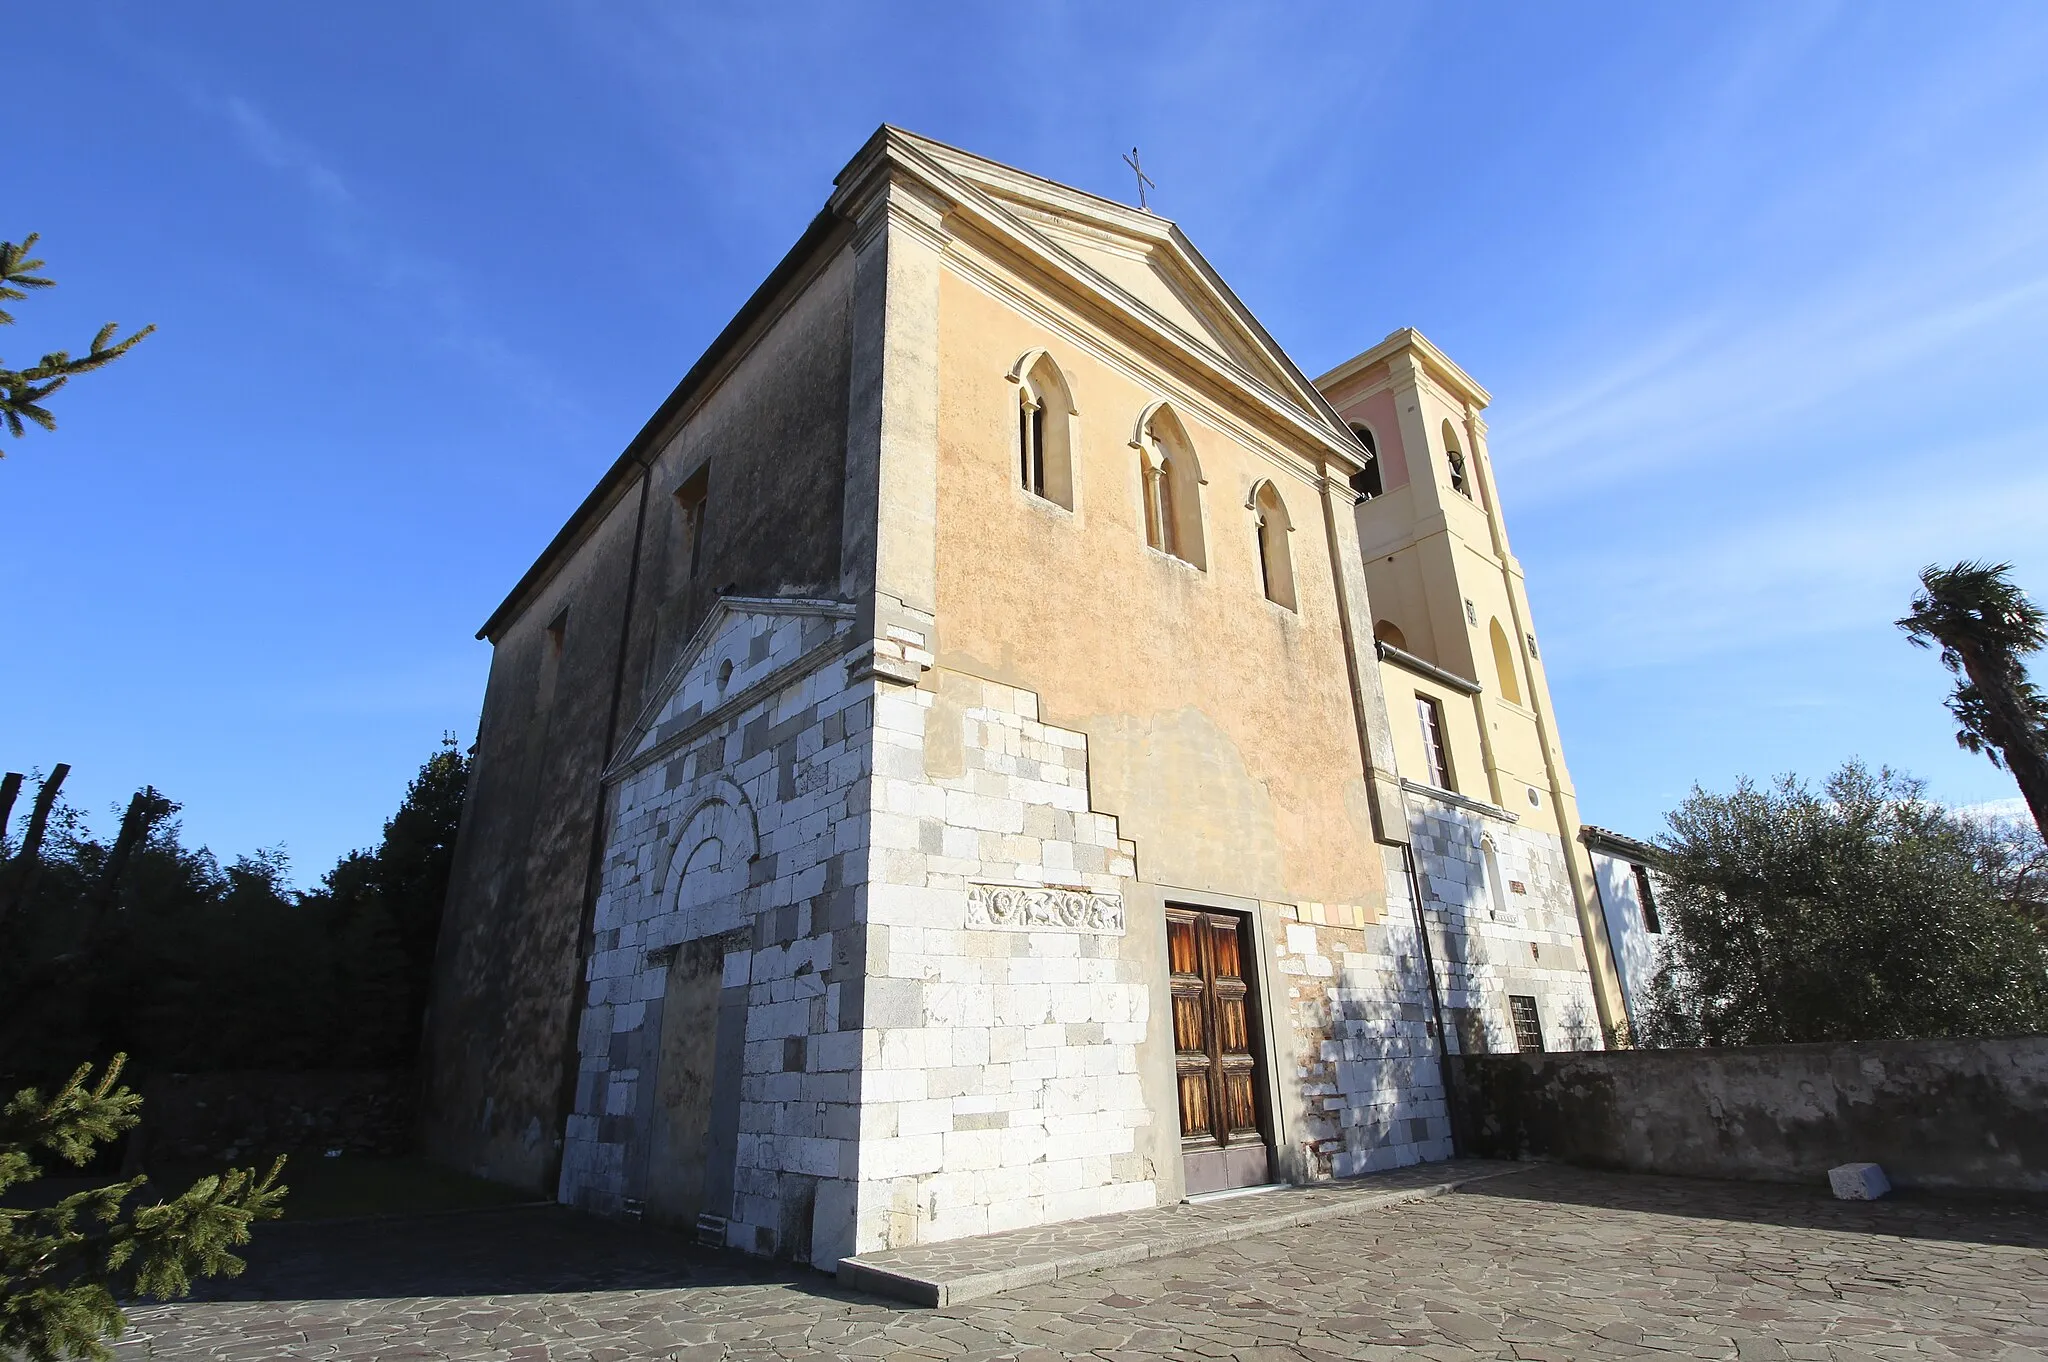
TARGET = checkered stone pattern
(741,811)
(1495,941)
(1371,1089)
(999,1067)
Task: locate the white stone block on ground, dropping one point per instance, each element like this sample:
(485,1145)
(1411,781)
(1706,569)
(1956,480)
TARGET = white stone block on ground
(1858,1182)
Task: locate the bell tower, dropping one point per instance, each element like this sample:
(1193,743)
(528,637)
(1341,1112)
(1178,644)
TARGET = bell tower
(1460,662)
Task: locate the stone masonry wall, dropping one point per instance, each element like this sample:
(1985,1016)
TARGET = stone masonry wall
(735,816)
(1517,936)
(1000,1082)
(946,1012)
(1365,1061)
(1964,1112)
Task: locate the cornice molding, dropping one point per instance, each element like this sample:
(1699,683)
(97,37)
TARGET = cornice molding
(1440,367)
(1458,801)
(624,763)
(1306,411)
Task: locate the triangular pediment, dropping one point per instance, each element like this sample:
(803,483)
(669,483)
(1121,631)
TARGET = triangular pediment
(742,651)
(1140,261)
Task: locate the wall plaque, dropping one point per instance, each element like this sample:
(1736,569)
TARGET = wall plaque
(1038,908)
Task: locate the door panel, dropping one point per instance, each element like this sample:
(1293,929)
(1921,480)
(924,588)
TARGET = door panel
(1217,1057)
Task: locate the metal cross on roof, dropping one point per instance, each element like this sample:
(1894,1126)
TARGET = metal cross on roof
(1143,179)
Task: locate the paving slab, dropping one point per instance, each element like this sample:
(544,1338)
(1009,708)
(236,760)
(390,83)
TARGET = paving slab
(1555,1265)
(967,1269)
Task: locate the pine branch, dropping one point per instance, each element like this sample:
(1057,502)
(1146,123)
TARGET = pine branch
(70,1124)
(64,1269)
(23,391)
(17,274)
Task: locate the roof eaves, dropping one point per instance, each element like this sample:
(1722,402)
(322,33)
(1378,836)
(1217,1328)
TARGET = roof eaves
(1314,411)
(1606,839)
(639,450)
(1444,369)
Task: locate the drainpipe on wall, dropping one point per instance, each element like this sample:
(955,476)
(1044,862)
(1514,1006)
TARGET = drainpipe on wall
(1436,1006)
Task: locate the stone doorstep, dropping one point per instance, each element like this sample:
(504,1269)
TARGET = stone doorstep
(957,1270)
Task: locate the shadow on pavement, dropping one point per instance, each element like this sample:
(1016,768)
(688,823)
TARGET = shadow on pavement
(2014,1219)
(516,1251)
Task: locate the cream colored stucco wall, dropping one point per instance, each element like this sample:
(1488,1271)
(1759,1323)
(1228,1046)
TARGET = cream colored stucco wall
(1220,727)
(1461,729)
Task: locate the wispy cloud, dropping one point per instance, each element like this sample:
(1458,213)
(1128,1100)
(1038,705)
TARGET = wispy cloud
(273,148)
(1803,570)
(415,285)
(1701,381)
(1794,252)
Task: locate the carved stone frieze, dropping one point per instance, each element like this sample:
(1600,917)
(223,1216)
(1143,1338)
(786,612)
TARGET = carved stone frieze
(1037,907)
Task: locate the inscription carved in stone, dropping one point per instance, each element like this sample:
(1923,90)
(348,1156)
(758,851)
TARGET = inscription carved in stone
(1033,907)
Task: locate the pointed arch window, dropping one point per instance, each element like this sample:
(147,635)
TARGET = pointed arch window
(1170,485)
(1461,477)
(1270,522)
(1045,429)
(1368,482)
(1504,662)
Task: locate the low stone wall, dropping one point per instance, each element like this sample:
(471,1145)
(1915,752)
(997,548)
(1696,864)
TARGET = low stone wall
(1936,1113)
(227,1116)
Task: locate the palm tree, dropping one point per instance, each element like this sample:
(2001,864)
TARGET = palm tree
(1984,624)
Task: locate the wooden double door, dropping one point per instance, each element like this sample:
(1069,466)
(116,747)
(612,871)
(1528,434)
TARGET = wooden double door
(1219,1063)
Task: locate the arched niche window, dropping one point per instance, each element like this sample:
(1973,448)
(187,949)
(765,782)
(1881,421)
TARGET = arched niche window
(1461,477)
(1172,485)
(1045,429)
(1389,633)
(1367,481)
(1504,662)
(1276,565)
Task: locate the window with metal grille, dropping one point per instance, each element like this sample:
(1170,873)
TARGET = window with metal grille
(1528,1025)
(1647,899)
(1431,716)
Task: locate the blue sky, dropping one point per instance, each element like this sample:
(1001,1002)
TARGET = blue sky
(1760,290)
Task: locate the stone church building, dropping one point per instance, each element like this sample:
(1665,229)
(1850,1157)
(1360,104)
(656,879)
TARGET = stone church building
(1002,745)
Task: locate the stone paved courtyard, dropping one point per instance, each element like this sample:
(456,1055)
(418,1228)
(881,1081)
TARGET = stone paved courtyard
(1550,1263)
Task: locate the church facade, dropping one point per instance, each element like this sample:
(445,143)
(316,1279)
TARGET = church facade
(1002,745)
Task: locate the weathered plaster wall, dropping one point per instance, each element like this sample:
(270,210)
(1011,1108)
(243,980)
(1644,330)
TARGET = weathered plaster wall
(1935,1113)
(1219,728)
(774,436)
(509,953)
(772,422)
(1220,725)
